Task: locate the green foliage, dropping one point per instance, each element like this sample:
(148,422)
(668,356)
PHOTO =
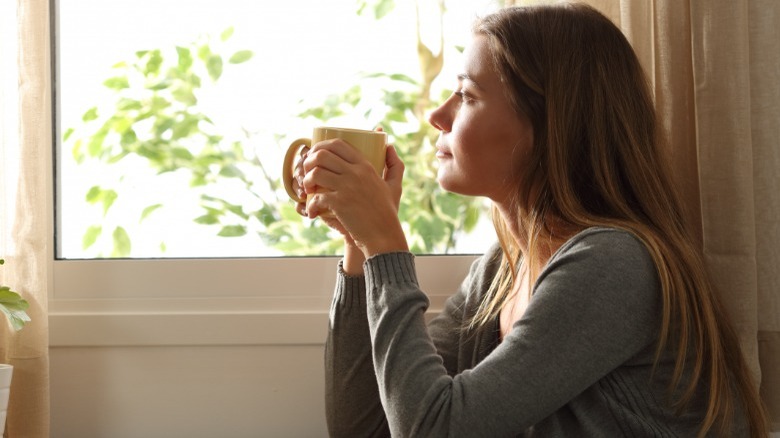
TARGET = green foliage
(156,119)
(13,306)
(379,8)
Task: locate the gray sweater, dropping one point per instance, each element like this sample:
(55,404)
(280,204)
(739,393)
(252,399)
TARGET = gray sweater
(579,363)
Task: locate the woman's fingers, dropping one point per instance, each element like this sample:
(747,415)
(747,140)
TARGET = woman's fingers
(394,173)
(326,160)
(300,207)
(394,167)
(339,148)
(297,181)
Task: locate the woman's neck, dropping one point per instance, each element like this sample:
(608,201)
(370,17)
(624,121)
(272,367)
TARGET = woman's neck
(554,234)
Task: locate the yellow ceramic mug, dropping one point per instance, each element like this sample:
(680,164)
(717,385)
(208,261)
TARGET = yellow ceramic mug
(372,144)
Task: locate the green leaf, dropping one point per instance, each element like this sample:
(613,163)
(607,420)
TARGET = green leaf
(227,33)
(108,198)
(120,123)
(290,247)
(315,234)
(78,153)
(379,7)
(91,114)
(241,56)
(231,172)
(105,196)
(185,95)
(126,104)
(448,206)
(266,215)
(128,138)
(93,194)
(204,52)
(184,128)
(288,213)
(403,78)
(185,58)
(91,236)
(148,210)
(117,83)
(163,124)
(394,76)
(382,8)
(235,209)
(122,245)
(472,217)
(207,219)
(154,63)
(430,228)
(116,158)
(95,145)
(162,85)
(232,231)
(14,307)
(214,67)
(182,153)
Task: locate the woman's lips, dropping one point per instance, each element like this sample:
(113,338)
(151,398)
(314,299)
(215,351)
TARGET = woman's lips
(442,152)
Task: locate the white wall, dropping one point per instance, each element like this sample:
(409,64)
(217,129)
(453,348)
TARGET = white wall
(187,391)
(195,348)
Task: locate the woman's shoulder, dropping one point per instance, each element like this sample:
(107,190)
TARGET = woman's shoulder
(605,244)
(604,258)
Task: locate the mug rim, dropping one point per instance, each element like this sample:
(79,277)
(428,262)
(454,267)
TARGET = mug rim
(338,128)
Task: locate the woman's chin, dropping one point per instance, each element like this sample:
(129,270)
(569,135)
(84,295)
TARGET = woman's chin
(448,184)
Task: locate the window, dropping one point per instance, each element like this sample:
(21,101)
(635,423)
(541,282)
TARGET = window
(140,259)
(173,121)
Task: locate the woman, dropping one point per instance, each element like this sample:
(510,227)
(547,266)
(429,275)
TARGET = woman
(593,316)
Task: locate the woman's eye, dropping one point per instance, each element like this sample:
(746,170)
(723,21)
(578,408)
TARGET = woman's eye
(464,97)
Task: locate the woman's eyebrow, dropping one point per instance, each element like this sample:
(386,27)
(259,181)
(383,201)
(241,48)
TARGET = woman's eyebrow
(465,76)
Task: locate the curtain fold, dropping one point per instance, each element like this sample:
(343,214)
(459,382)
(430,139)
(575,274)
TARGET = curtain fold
(715,69)
(26,224)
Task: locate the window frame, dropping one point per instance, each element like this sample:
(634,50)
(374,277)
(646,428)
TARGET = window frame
(210,301)
(203,301)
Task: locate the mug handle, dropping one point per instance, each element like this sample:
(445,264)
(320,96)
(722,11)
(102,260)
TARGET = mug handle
(287,170)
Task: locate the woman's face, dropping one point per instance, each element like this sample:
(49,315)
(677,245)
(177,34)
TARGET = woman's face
(483,140)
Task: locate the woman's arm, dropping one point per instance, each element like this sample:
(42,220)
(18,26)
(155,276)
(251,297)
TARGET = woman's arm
(352,404)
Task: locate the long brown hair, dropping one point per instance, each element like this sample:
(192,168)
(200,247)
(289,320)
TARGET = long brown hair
(597,160)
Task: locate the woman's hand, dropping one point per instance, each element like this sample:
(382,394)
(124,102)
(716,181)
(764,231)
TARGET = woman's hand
(297,182)
(338,178)
(353,256)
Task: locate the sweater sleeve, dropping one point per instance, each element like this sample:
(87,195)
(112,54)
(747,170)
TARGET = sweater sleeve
(352,404)
(595,305)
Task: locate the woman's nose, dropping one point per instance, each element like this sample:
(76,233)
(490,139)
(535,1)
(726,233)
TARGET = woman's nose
(441,118)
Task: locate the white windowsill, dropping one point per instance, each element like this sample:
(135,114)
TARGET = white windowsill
(210,302)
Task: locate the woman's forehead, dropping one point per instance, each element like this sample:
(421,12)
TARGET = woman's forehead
(478,63)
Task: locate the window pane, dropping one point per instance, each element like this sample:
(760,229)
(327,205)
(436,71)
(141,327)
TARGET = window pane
(173,117)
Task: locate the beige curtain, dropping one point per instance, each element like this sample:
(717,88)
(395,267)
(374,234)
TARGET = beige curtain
(715,67)
(25,199)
